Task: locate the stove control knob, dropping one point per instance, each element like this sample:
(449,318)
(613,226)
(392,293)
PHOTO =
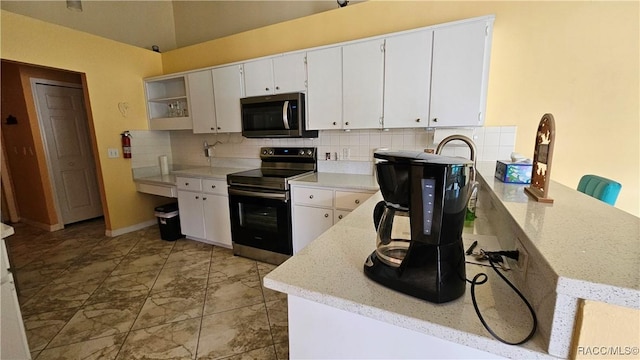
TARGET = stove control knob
(301,152)
(270,151)
(264,152)
(309,152)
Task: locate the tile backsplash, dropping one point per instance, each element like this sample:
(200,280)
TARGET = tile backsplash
(338,151)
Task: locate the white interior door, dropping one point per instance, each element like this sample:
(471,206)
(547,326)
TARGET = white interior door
(64,123)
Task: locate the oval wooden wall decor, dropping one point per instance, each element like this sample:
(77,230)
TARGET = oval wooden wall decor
(542,156)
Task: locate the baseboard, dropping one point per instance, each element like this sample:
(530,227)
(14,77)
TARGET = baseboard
(128,229)
(43,226)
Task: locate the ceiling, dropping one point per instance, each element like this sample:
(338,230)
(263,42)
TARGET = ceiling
(167,24)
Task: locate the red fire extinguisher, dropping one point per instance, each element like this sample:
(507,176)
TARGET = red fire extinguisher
(126,144)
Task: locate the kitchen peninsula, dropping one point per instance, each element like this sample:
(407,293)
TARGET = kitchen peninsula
(332,302)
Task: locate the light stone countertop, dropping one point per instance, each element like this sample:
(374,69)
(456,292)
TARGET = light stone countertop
(209,172)
(6,230)
(330,271)
(339,180)
(593,247)
(204,172)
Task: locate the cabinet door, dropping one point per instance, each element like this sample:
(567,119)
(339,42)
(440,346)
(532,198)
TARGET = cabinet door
(290,73)
(407,79)
(228,89)
(324,89)
(339,215)
(217,223)
(203,111)
(458,78)
(258,77)
(191,218)
(309,224)
(362,76)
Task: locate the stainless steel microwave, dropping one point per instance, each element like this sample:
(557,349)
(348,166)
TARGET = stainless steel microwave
(275,116)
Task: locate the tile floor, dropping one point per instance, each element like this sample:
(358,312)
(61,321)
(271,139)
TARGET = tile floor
(84,295)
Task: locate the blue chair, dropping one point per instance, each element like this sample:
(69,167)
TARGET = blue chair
(600,188)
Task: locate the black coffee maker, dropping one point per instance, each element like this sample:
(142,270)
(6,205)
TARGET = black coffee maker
(419,224)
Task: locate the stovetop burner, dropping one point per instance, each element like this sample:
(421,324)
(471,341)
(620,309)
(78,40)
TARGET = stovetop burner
(279,166)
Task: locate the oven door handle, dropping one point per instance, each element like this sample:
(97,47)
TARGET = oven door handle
(285,114)
(259,194)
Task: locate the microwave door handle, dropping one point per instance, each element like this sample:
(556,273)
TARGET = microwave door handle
(285,114)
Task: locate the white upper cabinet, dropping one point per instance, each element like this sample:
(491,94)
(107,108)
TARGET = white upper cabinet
(324,88)
(407,79)
(290,73)
(228,89)
(459,74)
(362,84)
(167,103)
(203,111)
(280,74)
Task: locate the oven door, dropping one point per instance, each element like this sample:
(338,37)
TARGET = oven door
(261,219)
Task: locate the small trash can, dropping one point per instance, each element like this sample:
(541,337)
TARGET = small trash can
(169,222)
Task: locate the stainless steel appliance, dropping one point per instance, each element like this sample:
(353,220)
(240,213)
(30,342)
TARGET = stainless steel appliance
(419,248)
(260,205)
(275,116)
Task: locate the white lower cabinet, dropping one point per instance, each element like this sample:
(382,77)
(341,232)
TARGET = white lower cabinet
(316,209)
(204,210)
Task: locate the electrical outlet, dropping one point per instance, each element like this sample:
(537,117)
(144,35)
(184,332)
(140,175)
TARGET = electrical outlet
(523,258)
(113,153)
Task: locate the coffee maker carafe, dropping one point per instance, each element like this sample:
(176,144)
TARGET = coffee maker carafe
(419,224)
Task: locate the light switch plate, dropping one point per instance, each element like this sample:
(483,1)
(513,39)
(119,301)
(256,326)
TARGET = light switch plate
(113,153)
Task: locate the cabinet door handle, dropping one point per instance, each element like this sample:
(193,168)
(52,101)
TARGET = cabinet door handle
(435,119)
(334,123)
(212,128)
(418,120)
(277,87)
(326,215)
(186,184)
(197,197)
(204,198)
(213,186)
(347,123)
(266,89)
(340,217)
(357,201)
(310,196)
(219,128)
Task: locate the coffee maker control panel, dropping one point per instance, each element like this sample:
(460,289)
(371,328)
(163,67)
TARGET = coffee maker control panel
(428,201)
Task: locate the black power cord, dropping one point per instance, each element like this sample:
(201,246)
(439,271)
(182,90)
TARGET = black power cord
(482,278)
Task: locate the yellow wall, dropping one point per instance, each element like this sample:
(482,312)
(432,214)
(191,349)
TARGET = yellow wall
(576,60)
(113,73)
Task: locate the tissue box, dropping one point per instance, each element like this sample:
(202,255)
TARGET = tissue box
(515,173)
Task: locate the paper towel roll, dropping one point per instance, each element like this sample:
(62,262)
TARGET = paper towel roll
(164,164)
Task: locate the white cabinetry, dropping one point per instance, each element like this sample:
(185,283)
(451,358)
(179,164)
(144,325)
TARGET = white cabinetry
(316,209)
(324,88)
(459,74)
(167,103)
(228,89)
(203,110)
(280,74)
(13,342)
(407,78)
(204,210)
(362,84)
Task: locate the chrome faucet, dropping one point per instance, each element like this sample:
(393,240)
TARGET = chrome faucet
(466,140)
